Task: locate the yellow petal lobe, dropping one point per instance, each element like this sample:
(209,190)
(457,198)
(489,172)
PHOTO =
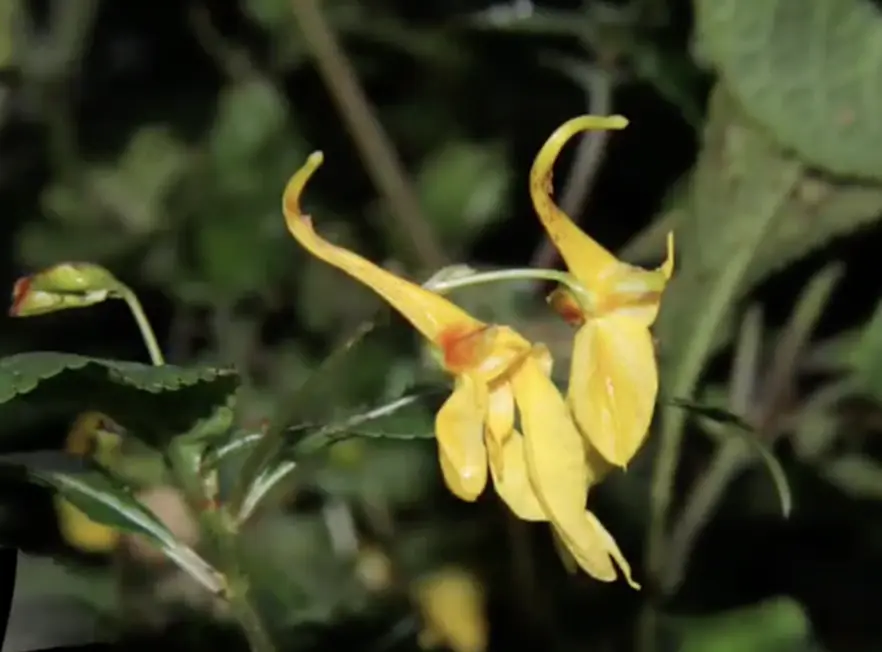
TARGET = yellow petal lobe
(429,313)
(613,385)
(587,260)
(500,424)
(459,431)
(81,532)
(515,487)
(451,601)
(555,456)
(637,292)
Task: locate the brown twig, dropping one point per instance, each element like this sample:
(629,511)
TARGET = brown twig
(377,153)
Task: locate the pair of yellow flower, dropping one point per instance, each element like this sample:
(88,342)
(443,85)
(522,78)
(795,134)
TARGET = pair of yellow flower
(544,468)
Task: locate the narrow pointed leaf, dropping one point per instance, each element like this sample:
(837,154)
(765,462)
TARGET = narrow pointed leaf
(108,502)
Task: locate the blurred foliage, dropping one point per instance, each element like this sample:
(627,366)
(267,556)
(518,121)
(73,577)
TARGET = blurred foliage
(156,143)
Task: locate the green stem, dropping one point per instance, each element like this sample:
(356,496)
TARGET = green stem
(144,326)
(223,532)
(185,466)
(516,274)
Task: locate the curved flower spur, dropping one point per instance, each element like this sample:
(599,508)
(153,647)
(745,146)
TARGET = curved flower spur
(613,375)
(542,474)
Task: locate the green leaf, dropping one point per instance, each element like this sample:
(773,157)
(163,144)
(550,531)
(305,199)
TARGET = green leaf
(110,503)
(866,356)
(737,191)
(774,625)
(715,413)
(858,476)
(464,187)
(384,418)
(149,401)
(393,420)
(136,190)
(251,118)
(807,72)
(735,429)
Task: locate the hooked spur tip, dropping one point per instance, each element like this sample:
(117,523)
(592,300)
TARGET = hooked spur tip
(295,186)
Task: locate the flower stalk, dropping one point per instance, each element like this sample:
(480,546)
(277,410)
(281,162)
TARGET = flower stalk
(223,530)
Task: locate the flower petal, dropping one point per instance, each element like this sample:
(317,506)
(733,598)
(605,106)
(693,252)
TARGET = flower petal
(554,450)
(587,260)
(606,546)
(430,313)
(501,413)
(451,601)
(459,430)
(613,385)
(636,292)
(81,532)
(542,355)
(514,486)
(566,557)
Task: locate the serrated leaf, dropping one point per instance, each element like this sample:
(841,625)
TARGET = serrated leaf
(110,503)
(807,72)
(147,400)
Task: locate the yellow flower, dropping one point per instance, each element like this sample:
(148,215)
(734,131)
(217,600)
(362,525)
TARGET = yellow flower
(92,435)
(614,377)
(451,602)
(542,475)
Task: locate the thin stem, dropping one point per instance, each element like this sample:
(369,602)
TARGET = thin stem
(226,531)
(378,154)
(185,465)
(144,326)
(516,274)
(274,435)
(224,534)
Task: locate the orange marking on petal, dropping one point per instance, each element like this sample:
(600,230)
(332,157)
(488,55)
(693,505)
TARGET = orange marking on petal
(463,346)
(19,293)
(563,303)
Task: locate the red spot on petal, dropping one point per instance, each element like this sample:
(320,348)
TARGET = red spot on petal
(19,292)
(463,346)
(563,303)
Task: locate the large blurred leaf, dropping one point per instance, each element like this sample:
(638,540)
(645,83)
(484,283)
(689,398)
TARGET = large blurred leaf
(464,187)
(250,118)
(738,188)
(299,578)
(856,475)
(132,192)
(866,356)
(113,206)
(150,401)
(806,71)
(775,625)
